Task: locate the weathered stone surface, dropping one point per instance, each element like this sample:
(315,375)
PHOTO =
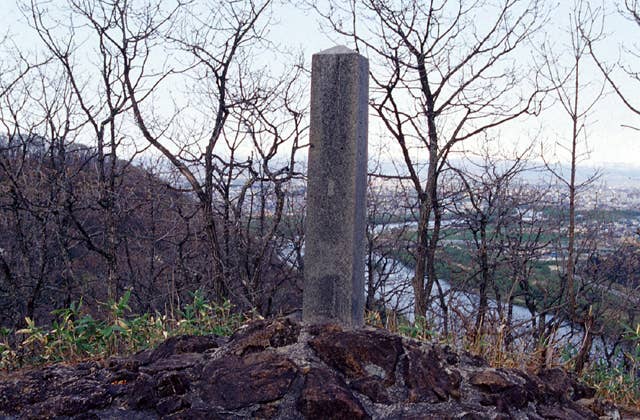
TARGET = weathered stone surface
(172,383)
(562,385)
(501,390)
(607,410)
(426,377)
(195,414)
(326,396)
(77,397)
(173,362)
(179,345)
(142,393)
(560,412)
(278,369)
(171,404)
(262,334)
(234,382)
(492,380)
(52,391)
(336,190)
(372,388)
(359,354)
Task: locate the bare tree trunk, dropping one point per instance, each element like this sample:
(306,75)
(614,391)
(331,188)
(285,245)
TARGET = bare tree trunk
(572,196)
(484,279)
(585,349)
(421,300)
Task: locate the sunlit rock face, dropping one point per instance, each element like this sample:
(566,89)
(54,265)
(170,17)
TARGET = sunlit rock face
(283,370)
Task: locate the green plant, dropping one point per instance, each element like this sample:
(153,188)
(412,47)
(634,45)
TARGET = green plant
(418,329)
(620,381)
(36,340)
(74,334)
(7,354)
(195,313)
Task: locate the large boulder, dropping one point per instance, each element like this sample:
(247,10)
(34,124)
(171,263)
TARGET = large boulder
(283,370)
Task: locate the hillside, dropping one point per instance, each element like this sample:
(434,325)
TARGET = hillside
(78,227)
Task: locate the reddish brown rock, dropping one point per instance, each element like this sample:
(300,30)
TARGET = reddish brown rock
(507,389)
(326,396)
(359,354)
(278,369)
(77,397)
(372,388)
(564,386)
(172,383)
(142,393)
(171,405)
(173,362)
(195,414)
(566,412)
(491,380)
(50,392)
(263,334)
(176,345)
(426,377)
(233,382)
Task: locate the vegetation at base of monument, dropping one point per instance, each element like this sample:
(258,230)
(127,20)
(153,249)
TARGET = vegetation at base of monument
(76,335)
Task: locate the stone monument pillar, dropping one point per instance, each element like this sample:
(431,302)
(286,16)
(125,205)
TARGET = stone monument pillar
(336,191)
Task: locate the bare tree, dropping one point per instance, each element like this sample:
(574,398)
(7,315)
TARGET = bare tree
(571,90)
(233,139)
(387,282)
(104,224)
(439,79)
(102,101)
(526,241)
(485,207)
(40,161)
(630,10)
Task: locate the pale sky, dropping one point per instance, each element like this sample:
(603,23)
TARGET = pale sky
(608,139)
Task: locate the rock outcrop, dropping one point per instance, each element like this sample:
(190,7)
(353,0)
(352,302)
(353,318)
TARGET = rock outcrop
(280,369)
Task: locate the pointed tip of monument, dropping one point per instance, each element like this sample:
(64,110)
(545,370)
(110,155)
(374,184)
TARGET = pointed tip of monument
(338,49)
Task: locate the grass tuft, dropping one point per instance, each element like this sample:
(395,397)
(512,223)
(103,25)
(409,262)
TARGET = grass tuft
(75,335)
